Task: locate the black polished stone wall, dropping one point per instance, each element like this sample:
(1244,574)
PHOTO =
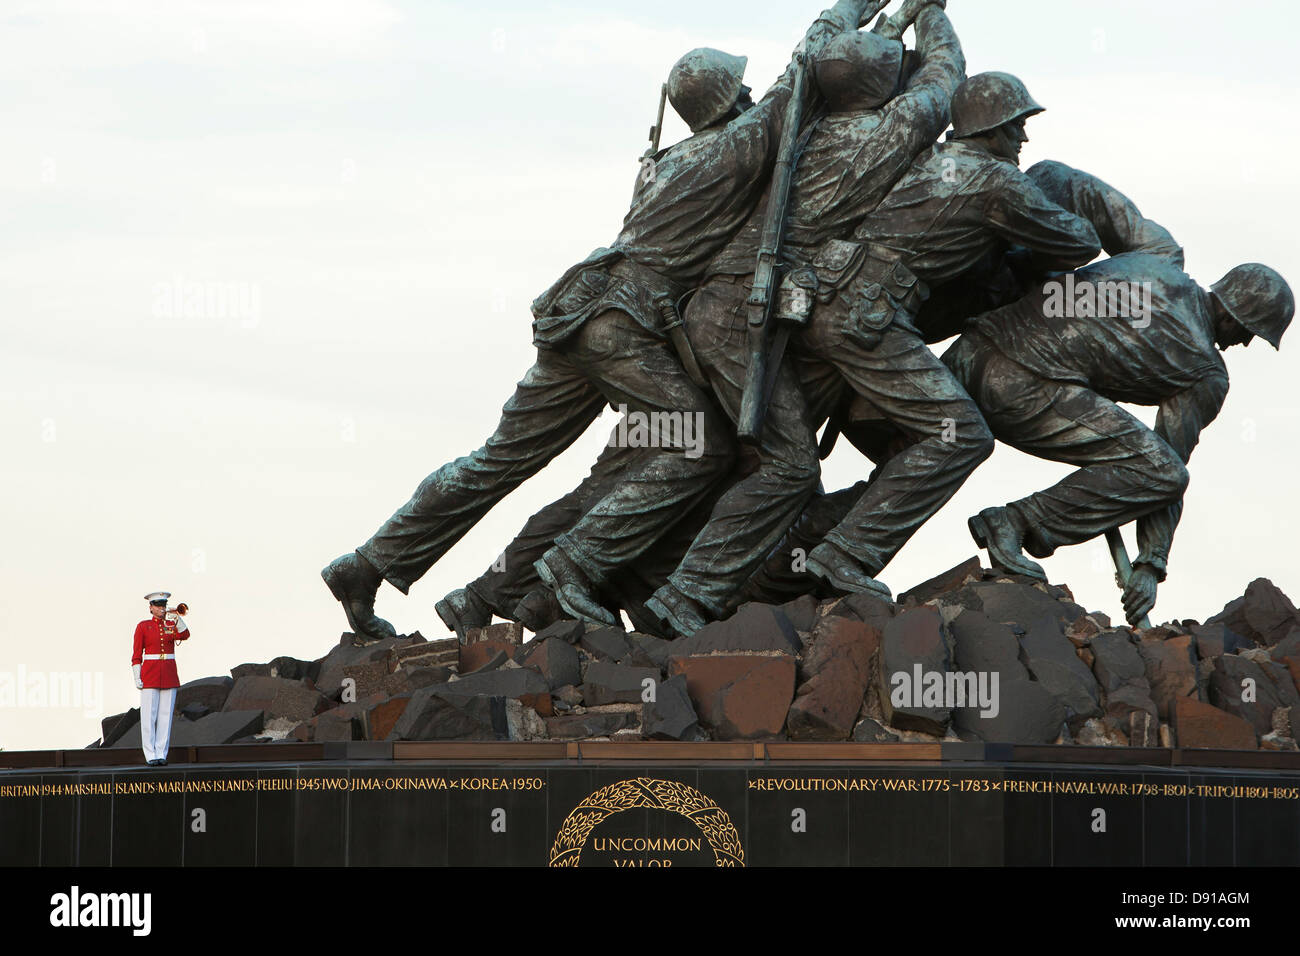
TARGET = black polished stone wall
(420,814)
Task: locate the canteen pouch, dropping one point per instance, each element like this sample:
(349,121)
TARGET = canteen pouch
(560,310)
(836,265)
(886,292)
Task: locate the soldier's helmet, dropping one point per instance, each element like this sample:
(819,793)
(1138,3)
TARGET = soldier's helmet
(1259,298)
(987,100)
(858,71)
(704,85)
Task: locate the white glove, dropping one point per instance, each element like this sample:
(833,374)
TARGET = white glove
(181,626)
(139,684)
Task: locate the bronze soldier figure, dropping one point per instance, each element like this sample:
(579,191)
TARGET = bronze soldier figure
(959,201)
(512,589)
(877,120)
(602,335)
(999,280)
(1048,370)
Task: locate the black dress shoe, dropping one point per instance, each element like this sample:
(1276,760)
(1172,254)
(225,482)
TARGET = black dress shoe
(353,581)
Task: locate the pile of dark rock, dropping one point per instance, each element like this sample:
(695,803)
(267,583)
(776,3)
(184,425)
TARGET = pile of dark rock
(856,668)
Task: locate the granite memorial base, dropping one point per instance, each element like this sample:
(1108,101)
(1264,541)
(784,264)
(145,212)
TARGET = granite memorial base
(496,805)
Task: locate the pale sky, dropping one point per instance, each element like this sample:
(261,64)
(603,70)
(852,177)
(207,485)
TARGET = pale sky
(382,188)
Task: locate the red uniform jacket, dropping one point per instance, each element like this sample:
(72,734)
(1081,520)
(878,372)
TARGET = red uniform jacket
(156,637)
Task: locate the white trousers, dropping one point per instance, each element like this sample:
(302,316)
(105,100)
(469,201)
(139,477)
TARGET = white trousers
(156,721)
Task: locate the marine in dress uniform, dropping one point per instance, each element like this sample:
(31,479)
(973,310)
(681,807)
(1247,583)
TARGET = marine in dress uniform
(154,664)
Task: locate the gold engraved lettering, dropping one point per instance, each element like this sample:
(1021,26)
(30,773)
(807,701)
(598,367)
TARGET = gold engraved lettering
(646,792)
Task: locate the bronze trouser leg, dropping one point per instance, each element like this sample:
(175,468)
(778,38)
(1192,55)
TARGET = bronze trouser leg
(752,515)
(904,380)
(635,583)
(693,447)
(513,577)
(614,359)
(1128,470)
(781,577)
(630,585)
(551,407)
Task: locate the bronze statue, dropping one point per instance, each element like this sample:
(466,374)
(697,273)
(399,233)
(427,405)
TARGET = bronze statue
(877,119)
(959,201)
(828,218)
(603,333)
(998,280)
(1048,370)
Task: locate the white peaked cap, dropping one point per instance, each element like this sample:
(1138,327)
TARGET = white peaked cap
(158,596)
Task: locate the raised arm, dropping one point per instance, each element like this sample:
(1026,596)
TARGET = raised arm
(908,14)
(1023,215)
(752,138)
(914,119)
(943,64)
(846,15)
(1120,226)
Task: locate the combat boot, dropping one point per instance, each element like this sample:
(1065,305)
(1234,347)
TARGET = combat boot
(683,614)
(538,610)
(353,581)
(462,609)
(995,530)
(644,621)
(843,572)
(572,588)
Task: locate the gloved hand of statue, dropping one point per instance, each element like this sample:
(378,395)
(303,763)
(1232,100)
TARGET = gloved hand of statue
(868,9)
(896,26)
(1140,594)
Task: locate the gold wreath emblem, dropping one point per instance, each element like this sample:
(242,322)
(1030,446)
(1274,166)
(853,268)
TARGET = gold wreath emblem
(667,795)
